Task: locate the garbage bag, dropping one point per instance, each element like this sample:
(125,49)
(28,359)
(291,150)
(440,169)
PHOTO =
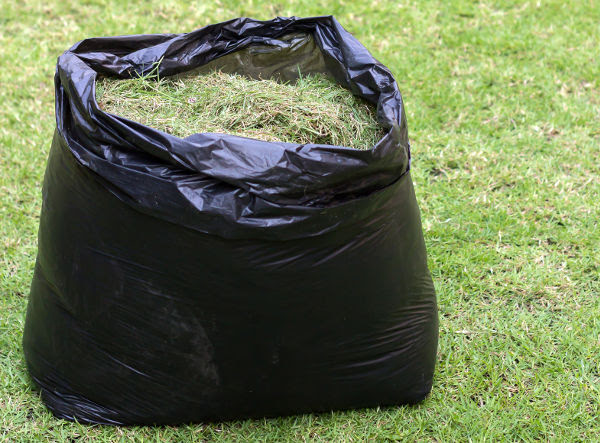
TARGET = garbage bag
(219,277)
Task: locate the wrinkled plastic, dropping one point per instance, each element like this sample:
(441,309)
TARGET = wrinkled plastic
(218,277)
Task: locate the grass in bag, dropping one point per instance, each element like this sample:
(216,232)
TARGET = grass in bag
(314,109)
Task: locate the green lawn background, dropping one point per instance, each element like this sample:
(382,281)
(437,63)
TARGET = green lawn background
(503,106)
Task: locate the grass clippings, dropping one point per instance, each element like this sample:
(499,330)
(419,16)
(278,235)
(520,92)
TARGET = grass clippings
(314,109)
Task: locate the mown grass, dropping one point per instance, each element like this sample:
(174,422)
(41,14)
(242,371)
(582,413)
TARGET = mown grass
(314,109)
(503,106)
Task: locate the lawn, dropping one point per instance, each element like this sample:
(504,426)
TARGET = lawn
(503,107)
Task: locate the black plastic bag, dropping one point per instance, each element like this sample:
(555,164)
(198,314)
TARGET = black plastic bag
(218,277)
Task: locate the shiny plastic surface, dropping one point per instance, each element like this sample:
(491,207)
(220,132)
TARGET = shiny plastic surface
(218,277)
